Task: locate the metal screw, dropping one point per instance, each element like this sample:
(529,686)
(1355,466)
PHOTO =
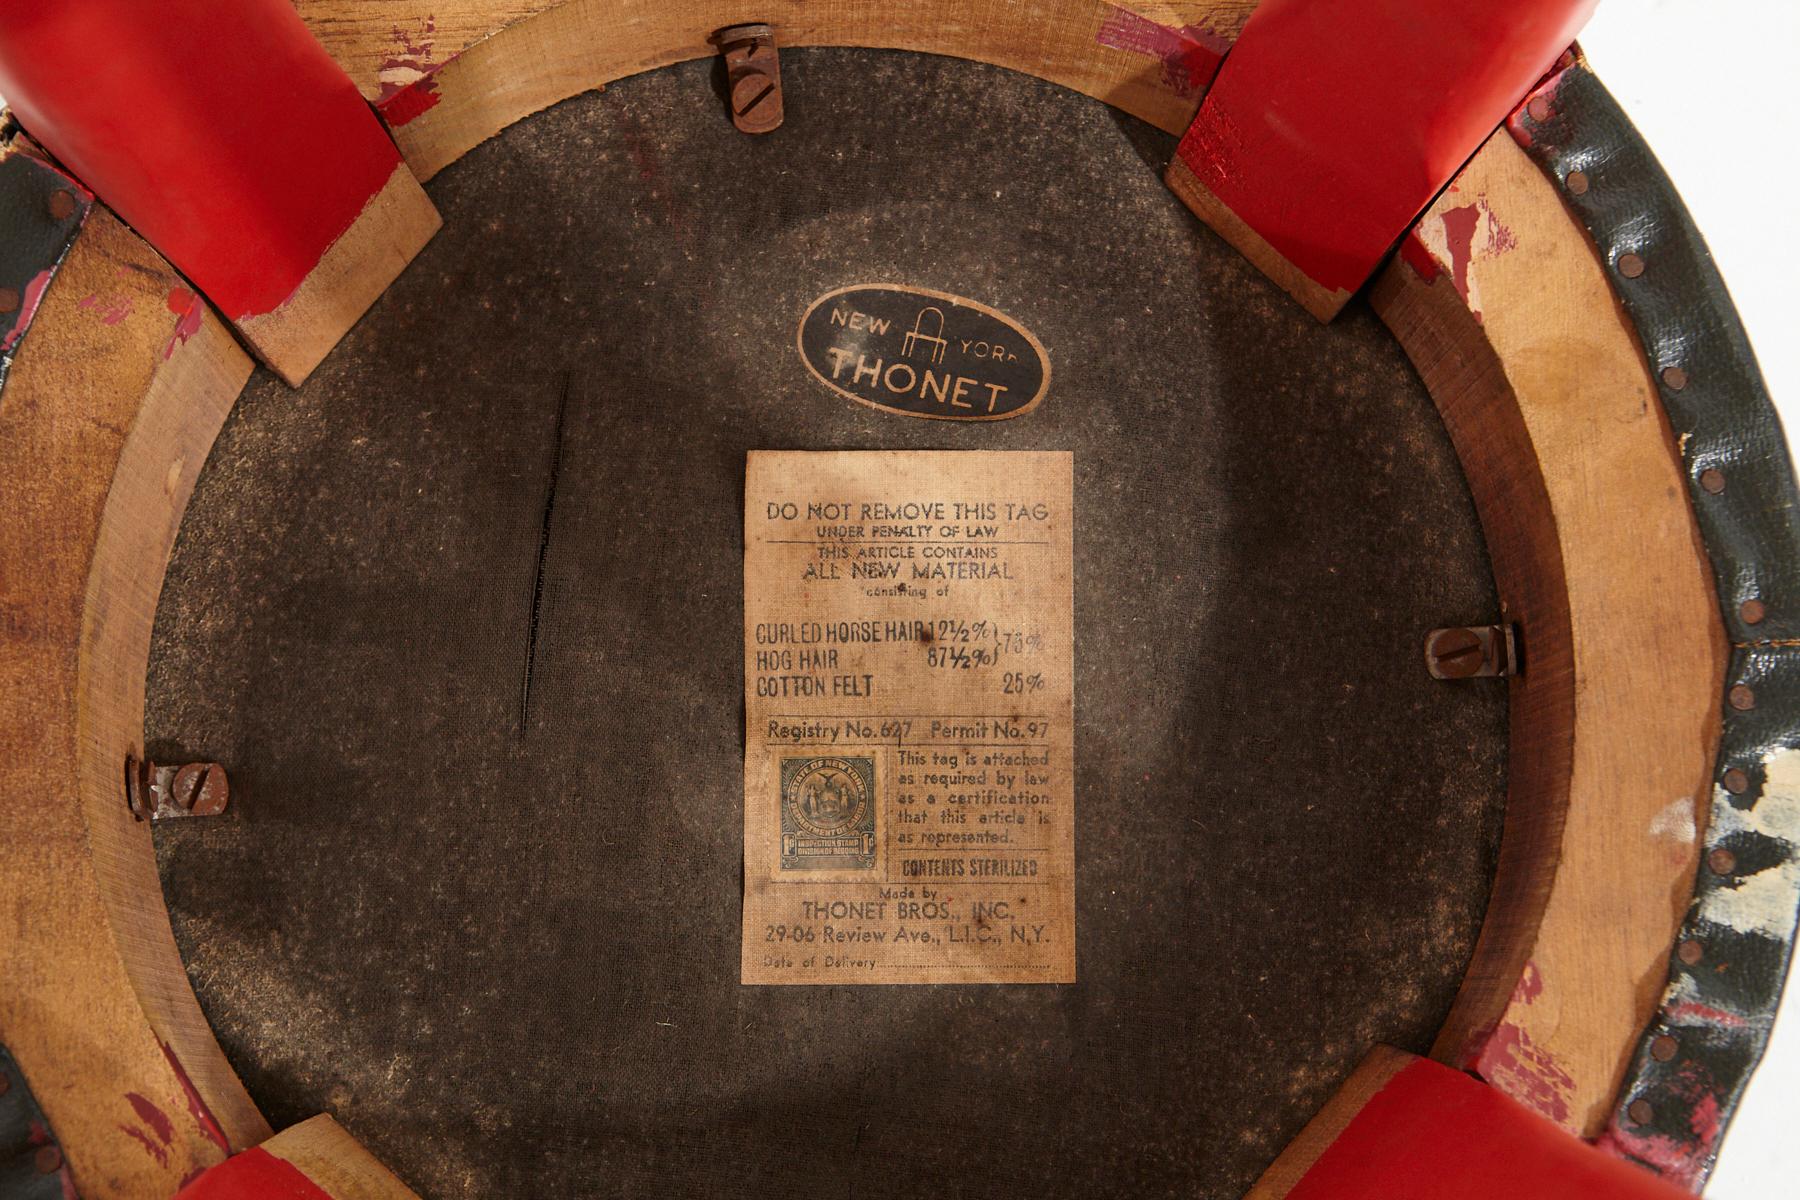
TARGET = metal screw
(1675,377)
(1630,266)
(753,75)
(1736,782)
(1539,109)
(202,789)
(1454,653)
(1578,183)
(1469,651)
(1640,1112)
(62,205)
(1752,611)
(1663,1048)
(1713,480)
(192,790)
(751,89)
(1690,952)
(1742,698)
(1721,862)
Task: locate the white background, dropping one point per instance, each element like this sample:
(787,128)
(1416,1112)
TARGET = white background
(1714,85)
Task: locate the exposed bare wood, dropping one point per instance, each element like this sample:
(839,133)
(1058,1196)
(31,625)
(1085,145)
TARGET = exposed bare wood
(394,226)
(106,418)
(386,44)
(584,44)
(1540,374)
(326,1154)
(1475,398)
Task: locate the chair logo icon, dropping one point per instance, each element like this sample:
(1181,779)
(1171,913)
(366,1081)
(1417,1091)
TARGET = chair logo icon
(918,335)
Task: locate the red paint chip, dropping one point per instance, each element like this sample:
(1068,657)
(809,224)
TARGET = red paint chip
(410,102)
(192,311)
(203,1118)
(1190,55)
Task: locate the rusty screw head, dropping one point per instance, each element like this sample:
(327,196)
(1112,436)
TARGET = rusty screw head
(1752,611)
(1640,1112)
(749,89)
(1578,183)
(1663,1047)
(1721,862)
(1712,480)
(62,205)
(1736,782)
(1742,698)
(202,789)
(1465,652)
(1454,653)
(1675,377)
(1690,952)
(1631,265)
(1539,109)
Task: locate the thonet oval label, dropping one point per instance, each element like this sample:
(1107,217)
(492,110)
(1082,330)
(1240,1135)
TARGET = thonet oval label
(923,353)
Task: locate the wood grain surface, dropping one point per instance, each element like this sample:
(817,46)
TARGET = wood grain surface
(109,410)
(1148,59)
(1508,313)
(384,45)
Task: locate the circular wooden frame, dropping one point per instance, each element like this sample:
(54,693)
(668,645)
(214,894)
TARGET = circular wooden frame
(1585,485)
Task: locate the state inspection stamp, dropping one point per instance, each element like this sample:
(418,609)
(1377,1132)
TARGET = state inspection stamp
(827,814)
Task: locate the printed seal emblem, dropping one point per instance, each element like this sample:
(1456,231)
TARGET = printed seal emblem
(827,814)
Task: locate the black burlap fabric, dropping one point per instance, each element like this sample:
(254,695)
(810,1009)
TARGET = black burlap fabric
(501,945)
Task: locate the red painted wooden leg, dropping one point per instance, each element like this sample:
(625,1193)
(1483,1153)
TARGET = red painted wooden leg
(1409,1127)
(314,1160)
(253,1175)
(224,133)
(1334,122)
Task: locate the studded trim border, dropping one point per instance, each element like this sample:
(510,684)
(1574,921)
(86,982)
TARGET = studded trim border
(1727,968)
(31,1163)
(41,211)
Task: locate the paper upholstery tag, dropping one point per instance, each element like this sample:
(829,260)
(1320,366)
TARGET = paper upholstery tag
(909,775)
